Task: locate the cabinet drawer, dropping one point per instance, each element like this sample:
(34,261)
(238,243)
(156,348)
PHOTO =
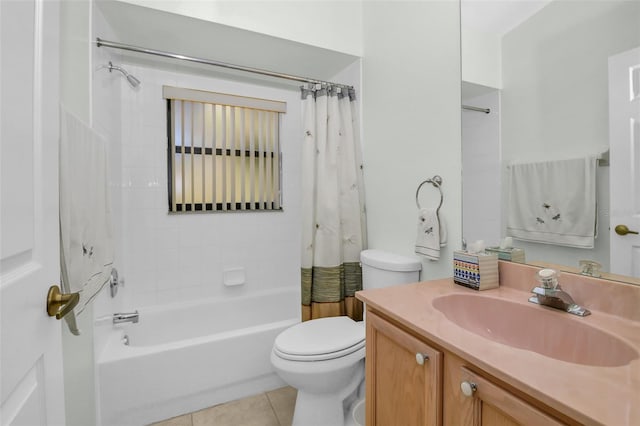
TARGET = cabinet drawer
(491,405)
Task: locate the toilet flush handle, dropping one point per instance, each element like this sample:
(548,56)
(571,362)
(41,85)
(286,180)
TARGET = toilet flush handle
(421,358)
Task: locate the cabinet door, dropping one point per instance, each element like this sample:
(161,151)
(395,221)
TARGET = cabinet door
(487,404)
(404,377)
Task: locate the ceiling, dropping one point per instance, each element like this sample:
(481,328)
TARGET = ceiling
(497,16)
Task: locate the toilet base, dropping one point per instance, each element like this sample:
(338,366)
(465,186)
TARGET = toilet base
(318,410)
(356,413)
(327,409)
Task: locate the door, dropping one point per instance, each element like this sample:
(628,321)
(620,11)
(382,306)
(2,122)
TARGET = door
(624,144)
(31,386)
(404,377)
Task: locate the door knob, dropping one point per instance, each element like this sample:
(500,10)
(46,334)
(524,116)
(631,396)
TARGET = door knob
(623,230)
(60,304)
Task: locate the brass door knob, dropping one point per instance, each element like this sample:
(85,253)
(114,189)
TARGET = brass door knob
(623,230)
(60,304)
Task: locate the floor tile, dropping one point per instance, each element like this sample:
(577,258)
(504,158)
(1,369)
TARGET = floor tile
(283,401)
(252,411)
(176,421)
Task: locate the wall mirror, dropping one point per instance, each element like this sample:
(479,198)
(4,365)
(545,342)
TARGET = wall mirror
(541,70)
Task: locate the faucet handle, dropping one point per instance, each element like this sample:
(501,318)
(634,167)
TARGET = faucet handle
(590,268)
(548,278)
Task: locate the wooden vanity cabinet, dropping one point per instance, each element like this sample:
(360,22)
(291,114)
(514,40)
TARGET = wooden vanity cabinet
(404,377)
(401,391)
(472,400)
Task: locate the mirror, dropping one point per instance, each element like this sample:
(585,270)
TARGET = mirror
(541,68)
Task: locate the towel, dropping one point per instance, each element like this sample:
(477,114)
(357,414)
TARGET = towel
(554,202)
(85,216)
(431,234)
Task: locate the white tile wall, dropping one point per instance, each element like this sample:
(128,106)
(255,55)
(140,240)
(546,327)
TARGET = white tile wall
(106,106)
(182,256)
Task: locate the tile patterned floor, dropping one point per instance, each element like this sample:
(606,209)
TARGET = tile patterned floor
(274,408)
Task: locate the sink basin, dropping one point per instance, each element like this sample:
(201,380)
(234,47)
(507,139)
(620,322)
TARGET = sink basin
(536,329)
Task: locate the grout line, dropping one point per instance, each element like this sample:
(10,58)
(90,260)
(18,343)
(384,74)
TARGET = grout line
(273,409)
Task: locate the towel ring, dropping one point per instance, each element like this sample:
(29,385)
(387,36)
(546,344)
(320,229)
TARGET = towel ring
(435,181)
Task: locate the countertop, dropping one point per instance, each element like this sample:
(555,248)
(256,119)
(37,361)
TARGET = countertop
(589,394)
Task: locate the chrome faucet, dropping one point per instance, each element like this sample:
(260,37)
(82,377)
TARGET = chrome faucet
(119,318)
(549,293)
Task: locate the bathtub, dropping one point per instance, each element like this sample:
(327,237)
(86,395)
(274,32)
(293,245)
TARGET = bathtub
(185,357)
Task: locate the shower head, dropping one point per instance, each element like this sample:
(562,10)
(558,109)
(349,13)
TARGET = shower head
(134,82)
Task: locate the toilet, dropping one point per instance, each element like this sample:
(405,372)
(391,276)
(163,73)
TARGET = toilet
(324,358)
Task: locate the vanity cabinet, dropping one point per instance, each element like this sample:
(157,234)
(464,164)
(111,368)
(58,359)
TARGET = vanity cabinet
(473,400)
(404,377)
(413,382)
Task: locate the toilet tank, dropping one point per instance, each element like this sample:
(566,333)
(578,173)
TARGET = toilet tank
(384,269)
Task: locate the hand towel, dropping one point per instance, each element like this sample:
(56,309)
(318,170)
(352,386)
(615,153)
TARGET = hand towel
(85,214)
(430,233)
(554,202)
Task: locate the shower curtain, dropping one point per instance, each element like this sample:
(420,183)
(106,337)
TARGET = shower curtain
(333,214)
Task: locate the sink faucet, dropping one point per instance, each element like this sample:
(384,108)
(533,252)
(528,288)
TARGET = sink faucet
(549,293)
(119,318)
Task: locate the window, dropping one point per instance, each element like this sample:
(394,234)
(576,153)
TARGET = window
(224,151)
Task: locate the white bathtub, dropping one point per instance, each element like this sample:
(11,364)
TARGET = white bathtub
(188,356)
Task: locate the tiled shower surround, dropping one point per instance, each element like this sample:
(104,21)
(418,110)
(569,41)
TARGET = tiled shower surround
(178,257)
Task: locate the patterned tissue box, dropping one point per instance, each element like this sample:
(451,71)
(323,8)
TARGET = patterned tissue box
(478,271)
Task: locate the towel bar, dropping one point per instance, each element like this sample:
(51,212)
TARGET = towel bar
(437,182)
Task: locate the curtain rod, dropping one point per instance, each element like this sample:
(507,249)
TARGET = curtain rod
(472,108)
(115,45)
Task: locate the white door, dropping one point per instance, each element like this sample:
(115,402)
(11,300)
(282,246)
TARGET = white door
(31,386)
(624,143)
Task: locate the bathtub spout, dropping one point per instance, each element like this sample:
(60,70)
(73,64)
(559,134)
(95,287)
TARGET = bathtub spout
(119,318)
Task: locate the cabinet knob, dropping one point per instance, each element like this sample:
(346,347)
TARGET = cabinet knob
(468,388)
(421,358)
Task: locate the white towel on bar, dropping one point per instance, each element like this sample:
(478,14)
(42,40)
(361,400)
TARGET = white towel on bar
(554,202)
(431,234)
(85,214)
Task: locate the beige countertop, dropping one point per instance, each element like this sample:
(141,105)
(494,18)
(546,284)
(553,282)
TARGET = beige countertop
(589,394)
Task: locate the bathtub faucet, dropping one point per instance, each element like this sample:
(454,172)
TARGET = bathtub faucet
(121,317)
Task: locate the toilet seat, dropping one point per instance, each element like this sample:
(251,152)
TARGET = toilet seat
(320,339)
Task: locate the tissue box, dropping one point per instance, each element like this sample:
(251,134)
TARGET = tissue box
(478,271)
(512,254)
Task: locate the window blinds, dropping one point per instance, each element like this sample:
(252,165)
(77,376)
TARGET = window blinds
(224,151)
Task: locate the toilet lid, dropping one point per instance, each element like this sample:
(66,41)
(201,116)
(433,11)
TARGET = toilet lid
(323,338)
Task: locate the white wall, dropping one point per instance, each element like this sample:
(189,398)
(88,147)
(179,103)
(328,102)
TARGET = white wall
(411,54)
(481,58)
(555,97)
(92,94)
(331,24)
(75,51)
(75,83)
(411,121)
(169,258)
(106,104)
(555,94)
